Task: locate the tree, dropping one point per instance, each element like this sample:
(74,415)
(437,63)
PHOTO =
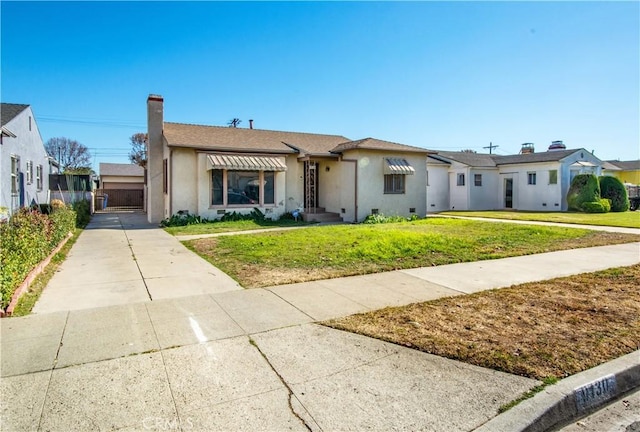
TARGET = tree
(138,153)
(69,153)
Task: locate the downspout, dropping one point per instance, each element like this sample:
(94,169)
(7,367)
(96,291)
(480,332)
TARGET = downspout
(170,181)
(355,203)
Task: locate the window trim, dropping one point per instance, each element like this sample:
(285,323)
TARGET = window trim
(477,180)
(555,171)
(532,178)
(397,183)
(460,180)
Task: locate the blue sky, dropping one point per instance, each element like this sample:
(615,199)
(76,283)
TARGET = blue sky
(440,75)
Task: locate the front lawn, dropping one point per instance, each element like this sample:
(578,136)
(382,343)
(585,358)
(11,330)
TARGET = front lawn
(629,219)
(265,259)
(231,226)
(544,330)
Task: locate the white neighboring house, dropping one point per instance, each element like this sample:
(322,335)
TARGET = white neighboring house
(24,163)
(528,181)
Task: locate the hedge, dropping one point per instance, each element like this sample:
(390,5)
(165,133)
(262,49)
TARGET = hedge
(584,188)
(27,238)
(613,189)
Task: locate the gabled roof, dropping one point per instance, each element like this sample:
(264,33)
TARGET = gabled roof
(548,156)
(632,165)
(376,144)
(115,169)
(9,111)
(468,158)
(248,140)
(435,160)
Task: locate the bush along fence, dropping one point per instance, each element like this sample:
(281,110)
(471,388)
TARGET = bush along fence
(28,238)
(591,194)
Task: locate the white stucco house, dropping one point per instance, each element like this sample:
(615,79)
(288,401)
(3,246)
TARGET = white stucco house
(24,163)
(527,181)
(210,170)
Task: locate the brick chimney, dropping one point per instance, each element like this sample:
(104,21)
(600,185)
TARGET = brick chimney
(155,156)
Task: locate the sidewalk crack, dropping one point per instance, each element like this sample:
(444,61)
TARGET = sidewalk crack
(284,383)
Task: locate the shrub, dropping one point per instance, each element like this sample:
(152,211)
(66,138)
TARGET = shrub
(606,204)
(26,238)
(83,212)
(584,189)
(593,207)
(613,189)
(182,219)
(380,218)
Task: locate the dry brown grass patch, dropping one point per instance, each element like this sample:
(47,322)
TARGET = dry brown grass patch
(553,328)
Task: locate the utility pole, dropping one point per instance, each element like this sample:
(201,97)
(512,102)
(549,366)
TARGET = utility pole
(491,147)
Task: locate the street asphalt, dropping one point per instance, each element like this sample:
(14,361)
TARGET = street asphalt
(136,332)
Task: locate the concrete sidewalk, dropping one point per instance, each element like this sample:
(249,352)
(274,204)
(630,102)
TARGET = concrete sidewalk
(232,359)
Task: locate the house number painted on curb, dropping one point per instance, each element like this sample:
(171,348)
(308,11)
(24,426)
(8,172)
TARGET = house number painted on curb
(595,392)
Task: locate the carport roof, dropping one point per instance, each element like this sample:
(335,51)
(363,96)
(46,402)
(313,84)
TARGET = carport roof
(115,169)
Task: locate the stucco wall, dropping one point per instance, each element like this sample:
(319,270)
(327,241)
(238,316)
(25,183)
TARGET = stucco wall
(294,188)
(330,185)
(28,146)
(438,188)
(371,184)
(483,197)
(184,185)
(459,195)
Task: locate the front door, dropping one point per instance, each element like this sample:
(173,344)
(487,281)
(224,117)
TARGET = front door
(310,186)
(508,193)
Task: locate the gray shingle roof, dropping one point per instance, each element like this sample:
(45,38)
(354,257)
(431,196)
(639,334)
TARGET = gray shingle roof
(631,165)
(248,140)
(115,169)
(9,111)
(549,156)
(376,144)
(471,159)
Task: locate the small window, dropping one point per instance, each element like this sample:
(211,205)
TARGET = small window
(394,183)
(477,179)
(553,176)
(15,171)
(427,177)
(531,178)
(39,177)
(460,179)
(29,173)
(29,123)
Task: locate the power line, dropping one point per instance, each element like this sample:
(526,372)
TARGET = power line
(92,122)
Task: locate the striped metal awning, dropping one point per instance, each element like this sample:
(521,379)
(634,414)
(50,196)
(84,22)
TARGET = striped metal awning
(246,163)
(398,166)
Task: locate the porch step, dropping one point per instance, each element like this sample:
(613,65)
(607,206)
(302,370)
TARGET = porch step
(321,217)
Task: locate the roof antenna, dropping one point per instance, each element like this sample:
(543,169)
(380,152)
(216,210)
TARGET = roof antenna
(234,122)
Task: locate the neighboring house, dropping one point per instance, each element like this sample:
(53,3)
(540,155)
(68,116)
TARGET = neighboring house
(627,171)
(121,186)
(24,163)
(527,181)
(209,171)
(121,176)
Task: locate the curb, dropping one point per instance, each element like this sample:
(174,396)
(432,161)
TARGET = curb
(571,398)
(26,283)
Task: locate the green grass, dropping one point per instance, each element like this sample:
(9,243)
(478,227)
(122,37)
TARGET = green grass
(627,219)
(230,226)
(332,251)
(29,299)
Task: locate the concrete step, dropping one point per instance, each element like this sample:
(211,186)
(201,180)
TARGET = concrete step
(321,217)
